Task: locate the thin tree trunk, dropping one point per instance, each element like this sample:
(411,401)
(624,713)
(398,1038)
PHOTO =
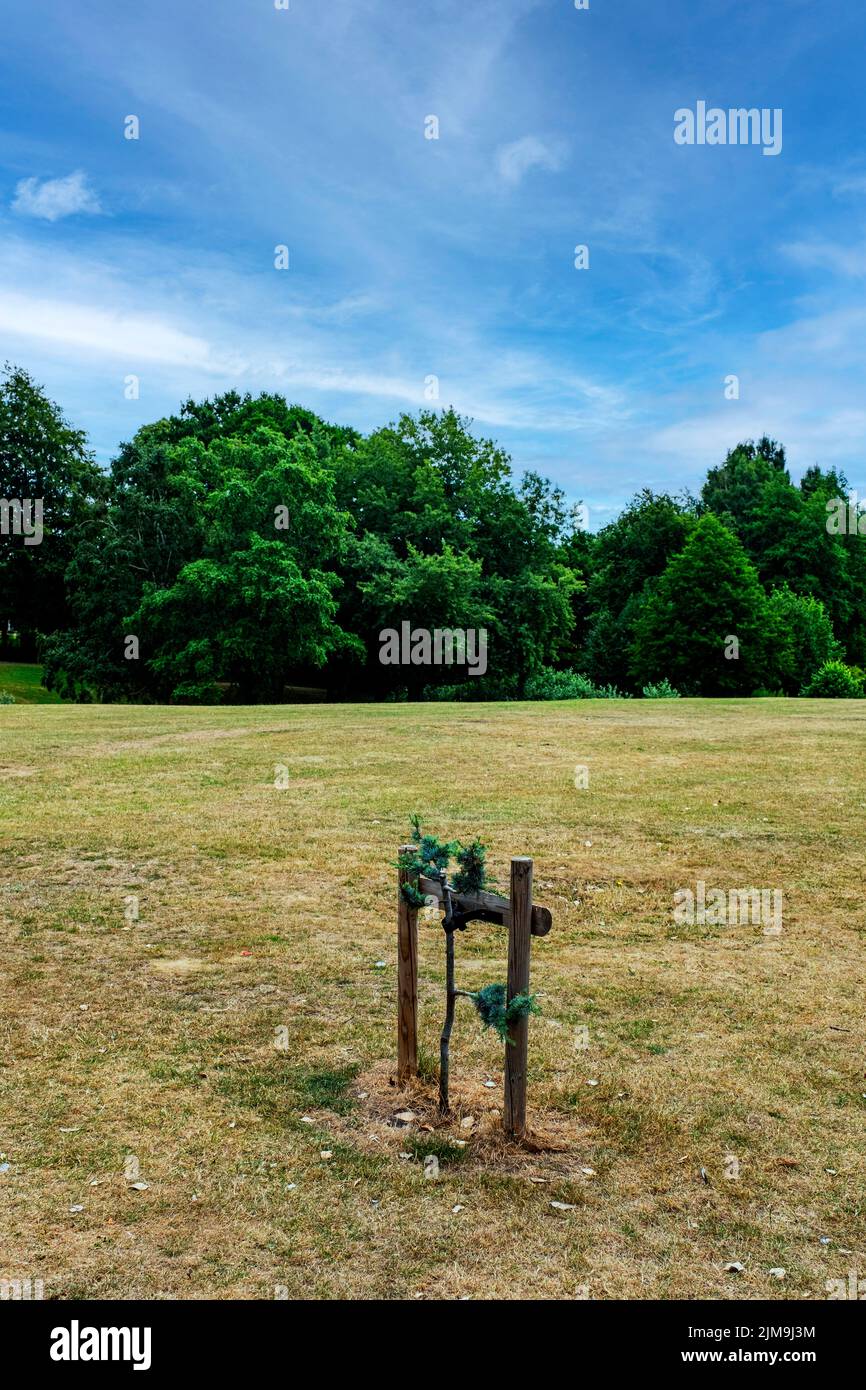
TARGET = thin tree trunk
(444,1042)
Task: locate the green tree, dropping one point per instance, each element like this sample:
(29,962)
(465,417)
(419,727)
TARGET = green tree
(801,639)
(708,595)
(435,505)
(731,491)
(784,531)
(220,556)
(246,622)
(261,602)
(633,550)
(42,460)
(427,591)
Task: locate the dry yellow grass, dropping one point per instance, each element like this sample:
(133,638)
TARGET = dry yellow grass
(156,1042)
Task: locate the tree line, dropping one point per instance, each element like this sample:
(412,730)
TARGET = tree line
(244,548)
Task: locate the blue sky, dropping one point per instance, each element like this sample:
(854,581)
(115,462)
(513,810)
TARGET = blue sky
(454,258)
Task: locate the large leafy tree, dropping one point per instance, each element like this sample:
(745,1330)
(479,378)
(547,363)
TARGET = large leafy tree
(427,591)
(707,595)
(42,458)
(731,491)
(246,621)
(259,605)
(846,605)
(244,543)
(784,531)
(437,514)
(218,557)
(633,550)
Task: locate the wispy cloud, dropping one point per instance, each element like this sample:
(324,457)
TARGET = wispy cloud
(154,321)
(816,415)
(55,198)
(514,161)
(837,257)
(412,258)
(849,184)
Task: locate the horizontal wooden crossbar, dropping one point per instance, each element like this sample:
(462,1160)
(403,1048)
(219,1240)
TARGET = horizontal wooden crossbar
(542,920)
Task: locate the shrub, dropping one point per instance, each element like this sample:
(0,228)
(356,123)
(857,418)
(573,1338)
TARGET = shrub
(609,692)
(473,688)
(547,684)
(835,681)
(6,697)
(662,690)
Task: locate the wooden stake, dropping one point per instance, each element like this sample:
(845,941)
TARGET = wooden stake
(407,979)
(517,1047)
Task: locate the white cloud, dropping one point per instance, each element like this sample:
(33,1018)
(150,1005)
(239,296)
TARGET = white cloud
(514,161)
(856,183)
(55,198)
(159,321)
(520,391)
(106,331)
(828,255)
(800,384)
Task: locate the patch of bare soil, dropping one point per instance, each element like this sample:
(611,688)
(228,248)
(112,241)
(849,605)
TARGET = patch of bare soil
(554,1145)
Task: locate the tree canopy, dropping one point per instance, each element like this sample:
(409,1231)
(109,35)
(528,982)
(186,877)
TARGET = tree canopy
(41,458)
(244,546)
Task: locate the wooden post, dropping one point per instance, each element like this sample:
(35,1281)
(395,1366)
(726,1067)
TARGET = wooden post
(517,1047)
(407,980)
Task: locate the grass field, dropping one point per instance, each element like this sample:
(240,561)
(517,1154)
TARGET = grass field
(152,1050)
(24,681)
